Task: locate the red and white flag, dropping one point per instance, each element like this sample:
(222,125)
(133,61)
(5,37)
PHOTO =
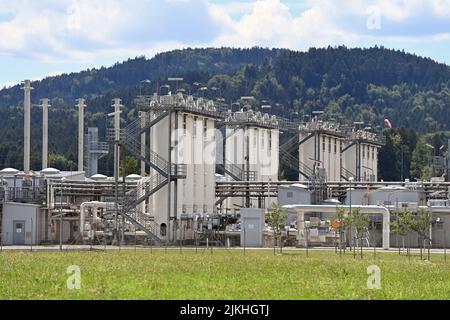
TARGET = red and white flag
(388,123)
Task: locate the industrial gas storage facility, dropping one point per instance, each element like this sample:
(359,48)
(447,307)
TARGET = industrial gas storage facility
(208,174)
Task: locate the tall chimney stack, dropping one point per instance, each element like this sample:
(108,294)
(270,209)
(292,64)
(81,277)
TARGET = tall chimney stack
(81,105)
(117,104)
(45,105)
(27,125)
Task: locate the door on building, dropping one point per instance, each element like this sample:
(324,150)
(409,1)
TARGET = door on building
(19,232)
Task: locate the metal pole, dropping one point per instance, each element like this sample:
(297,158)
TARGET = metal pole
(117,111)
(245,244)
(307,242)
(31,243)
(124,191)
(116,191)
(196,243)
(248,167)
(350,230)
(60,221)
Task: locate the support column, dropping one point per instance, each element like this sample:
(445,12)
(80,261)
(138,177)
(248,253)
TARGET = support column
(117,111)
(27,125)
(142,116)
(169,181)
(81,105)
(45,105)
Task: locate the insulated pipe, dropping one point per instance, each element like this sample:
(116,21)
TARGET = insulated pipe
(302,209)
(94,205)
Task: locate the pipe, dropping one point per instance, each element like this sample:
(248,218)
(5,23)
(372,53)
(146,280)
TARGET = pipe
(302,209)
(94,205)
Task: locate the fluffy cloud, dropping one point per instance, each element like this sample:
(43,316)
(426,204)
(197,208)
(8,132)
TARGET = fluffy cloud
(83,29)
(330,22)
(88,30)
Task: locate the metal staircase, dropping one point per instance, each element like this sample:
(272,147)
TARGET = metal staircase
(346,174)
(236,172)
(128,205)
(293,162)
(164,173)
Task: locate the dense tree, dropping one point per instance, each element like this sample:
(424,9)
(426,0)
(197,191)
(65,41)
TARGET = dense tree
(348,84)
(420,164)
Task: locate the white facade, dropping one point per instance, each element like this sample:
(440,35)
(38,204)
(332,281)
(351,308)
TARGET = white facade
(360,159)
(261,145)
(193,138)
(321,150)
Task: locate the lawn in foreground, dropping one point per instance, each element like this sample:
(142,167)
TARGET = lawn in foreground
(223,274)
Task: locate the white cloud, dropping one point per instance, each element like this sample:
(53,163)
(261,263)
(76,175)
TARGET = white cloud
(92,30)
(81,30)
(270,23)
(330,22)
(7,84)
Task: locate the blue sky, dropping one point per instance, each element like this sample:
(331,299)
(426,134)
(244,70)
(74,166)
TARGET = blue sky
(49,37)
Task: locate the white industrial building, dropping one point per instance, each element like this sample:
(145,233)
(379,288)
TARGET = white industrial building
(189,132)
(360,155)
(320,151)
(331,152)
(191,171)
(251,152)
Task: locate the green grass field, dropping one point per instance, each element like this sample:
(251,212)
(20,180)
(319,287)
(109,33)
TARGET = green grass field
(221,275)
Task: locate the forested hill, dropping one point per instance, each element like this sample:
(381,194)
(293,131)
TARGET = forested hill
(195,65)
(348,84)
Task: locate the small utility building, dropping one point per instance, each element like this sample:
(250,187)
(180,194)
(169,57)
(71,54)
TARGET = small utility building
(22,224)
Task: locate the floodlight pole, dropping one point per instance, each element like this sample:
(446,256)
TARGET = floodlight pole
(350,200)
(116,114)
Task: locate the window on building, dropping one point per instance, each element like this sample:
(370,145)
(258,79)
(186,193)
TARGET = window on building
(324,144)
(335,146)
(184,124)
(363,152)
(270,141)
(329,145)
(373,153)
(194,134)
(205,128)
(263,138)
